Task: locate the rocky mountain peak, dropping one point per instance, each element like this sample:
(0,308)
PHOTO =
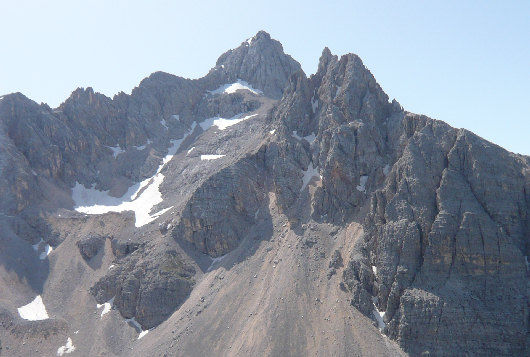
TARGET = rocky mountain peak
(324,60)
(261,62)
(262,36)
(84,97)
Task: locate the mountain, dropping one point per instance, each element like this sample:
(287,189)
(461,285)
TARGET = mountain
(258,211)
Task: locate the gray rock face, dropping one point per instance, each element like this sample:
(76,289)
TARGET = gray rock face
(90,245)
(260,61)
(122,248)
(448,215)
(222,210)
(447,235)
(147,285)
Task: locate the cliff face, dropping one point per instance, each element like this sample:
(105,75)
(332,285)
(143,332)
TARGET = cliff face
(421,227)
(447,228)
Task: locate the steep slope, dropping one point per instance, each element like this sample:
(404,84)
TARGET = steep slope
(256,211)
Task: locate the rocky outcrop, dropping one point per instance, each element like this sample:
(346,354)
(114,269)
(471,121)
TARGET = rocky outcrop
(149,285)
(121,248)
(221,211)
(90,245)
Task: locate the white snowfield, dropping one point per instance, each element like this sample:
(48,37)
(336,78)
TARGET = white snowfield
(215,261)
(310,138)
(379,315)
(234,87)
(362,186)
(309,174)
(116,150)
(67,348)
(223,123)
(140,198)
(314,104)
(211,157)
(142,147)
(45,249)
(34,311)
(138,327)
(107,306)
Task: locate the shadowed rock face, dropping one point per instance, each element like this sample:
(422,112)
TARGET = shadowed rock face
(90,246)
(442,216)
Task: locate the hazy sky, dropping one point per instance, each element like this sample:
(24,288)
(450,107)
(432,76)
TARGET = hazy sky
(464,62)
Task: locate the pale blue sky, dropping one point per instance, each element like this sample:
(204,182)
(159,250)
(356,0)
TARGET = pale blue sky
(464,62)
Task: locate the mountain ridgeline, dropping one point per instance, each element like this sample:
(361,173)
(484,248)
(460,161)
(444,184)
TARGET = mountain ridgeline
(258,211)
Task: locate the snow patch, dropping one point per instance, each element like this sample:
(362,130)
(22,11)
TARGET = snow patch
(138,327)
(310,138)
(362,186)
(161,212)
(379,315)
(314,104)
(107,306)
(211,157)
(190,150)
(36,246)
(142,147)
(164,123)
(234,87)
(215,261)
(139,198)
(386,169)
(116,150)
(272,131)
(309,174)
(45,249)
(374,269)
(223,123)
(68,348)
(34,311)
